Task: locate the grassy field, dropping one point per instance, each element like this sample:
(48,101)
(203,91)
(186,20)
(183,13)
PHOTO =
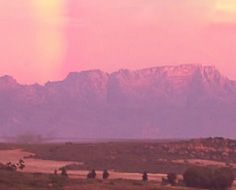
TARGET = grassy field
(19,181)
(130,157)
(154,157)
(120,185)
(37,181)
(123,157)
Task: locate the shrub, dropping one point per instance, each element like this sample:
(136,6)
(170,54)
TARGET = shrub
(224,178)
(64,172)
(92,174)
(57,182)
(211,178)
(145,176)
(21,164)
(105,174)
(171,178)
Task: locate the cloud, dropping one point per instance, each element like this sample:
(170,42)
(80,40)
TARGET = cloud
(224,11)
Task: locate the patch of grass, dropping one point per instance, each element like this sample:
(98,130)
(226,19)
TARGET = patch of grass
(17,181)
(135,156)
(137,183)
(22,181)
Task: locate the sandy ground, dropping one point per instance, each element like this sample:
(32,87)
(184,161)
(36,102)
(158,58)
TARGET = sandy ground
(48,166)
(117,175)
(202,162)
(32,165)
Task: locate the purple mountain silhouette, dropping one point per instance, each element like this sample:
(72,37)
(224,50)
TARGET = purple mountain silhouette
(162,102)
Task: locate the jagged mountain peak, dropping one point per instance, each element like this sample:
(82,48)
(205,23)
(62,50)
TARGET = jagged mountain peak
(175,74)
(180,70)
(168,101)
(7,81)
(172,72)
(87,74)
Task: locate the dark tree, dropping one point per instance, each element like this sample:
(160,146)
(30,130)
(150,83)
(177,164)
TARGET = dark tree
(199,177)
(64,172)
(21,161)
(223,178)
(92,174)
(105,174)
(11,167)
(171,178)
(164,181)
(21,164)
(145,176)
(210,178)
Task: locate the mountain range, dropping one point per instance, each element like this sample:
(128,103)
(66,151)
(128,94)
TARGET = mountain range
(162,102)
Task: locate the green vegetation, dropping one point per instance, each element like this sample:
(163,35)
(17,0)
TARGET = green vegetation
(154,157)
(105,174)
(21,181)
(64,172)
(172,178)
(131,156)
(92,174)
(211,178)
(119,185)
(145,176)
(13,166)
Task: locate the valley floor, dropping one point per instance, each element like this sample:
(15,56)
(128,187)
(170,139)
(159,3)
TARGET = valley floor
(125,161)
(36,181)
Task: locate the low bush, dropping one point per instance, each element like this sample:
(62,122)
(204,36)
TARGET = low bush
(172,178)
(211,178)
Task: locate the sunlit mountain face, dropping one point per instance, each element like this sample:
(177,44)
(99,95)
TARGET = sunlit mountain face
(44,40)
(117,94)
(159,102)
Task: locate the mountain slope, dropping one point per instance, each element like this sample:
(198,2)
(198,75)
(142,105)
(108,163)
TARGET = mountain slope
(172,101)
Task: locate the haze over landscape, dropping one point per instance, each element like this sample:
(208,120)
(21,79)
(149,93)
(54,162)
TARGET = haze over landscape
(102,47)
(117,94)
(160,102)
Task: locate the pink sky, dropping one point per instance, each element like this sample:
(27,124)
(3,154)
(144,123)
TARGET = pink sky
(43,40)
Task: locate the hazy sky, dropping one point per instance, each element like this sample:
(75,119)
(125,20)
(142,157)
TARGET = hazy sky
(43,40)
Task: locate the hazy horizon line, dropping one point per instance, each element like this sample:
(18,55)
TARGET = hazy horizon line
(111,72)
